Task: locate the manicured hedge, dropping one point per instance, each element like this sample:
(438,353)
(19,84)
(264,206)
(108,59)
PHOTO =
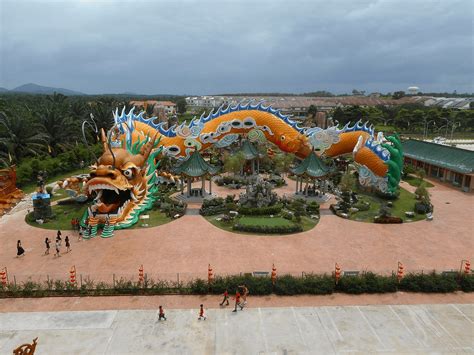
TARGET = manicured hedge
(261,211)
(285,285)
(295,228)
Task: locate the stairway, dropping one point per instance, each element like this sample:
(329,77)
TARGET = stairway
(93,221)
(108,231)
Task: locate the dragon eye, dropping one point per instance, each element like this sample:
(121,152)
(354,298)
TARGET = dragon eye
(282,138)
(128,173)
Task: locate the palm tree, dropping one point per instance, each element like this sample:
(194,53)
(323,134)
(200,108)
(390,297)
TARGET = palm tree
(60,127)
(21,136)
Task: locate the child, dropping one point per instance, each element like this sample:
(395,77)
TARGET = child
(161,313)
(19,249)
(201,313)
(47,242)
(68,245)
(79,238)
(237,301)
(58,245)
(226,298)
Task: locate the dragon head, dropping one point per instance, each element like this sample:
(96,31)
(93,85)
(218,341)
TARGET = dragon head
(122,183)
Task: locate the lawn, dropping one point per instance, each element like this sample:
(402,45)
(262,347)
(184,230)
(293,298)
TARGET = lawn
(307,223)
(265,221)
(64,214)
(157,218)
(405,202)
(416,181)
(29,188)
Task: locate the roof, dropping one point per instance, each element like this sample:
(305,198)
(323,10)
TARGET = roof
(312,166)
(248,150)
(452,158)
(152,103)
(195,166)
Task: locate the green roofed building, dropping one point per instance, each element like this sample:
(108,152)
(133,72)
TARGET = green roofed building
(311,168)
(251,155)
(443,162)
(194,167)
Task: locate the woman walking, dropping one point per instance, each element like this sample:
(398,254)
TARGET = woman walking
(19,249)
(68,245)
(47,242)
(57,245)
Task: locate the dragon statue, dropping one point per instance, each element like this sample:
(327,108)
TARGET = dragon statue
(123,181)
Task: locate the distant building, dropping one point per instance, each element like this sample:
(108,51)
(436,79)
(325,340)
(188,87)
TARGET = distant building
(443,162)
(460,103)
(413,90)
(168,106)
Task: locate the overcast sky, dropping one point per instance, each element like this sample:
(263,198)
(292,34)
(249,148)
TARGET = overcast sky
(209,47)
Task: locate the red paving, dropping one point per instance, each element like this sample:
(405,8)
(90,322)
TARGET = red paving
(187,245)
(186,302)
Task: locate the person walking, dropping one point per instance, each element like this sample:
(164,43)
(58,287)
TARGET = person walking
(201,313)
(237,301)
(57,245)
(245,292)
(226,298)
(79,237)
(58,237)
(19,249)
(68,244)
(161,313)
(47,242)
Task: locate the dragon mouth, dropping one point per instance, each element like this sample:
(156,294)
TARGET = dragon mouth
(109,199)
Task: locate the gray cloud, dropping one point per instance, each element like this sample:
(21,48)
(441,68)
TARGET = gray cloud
(200,47)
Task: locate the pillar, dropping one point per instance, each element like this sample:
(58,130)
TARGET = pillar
(296,192)
(182,185)
(210,185)
(203,185)
(188,180)
(463,181)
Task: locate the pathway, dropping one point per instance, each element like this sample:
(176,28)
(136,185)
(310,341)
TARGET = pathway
(323,330)
(188,244)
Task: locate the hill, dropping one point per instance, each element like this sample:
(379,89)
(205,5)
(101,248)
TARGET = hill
(38,89)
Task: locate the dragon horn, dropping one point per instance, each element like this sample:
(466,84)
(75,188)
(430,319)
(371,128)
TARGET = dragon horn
(103,139)
(147,148)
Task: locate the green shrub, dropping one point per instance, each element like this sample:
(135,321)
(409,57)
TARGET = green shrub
(199,287)
(431,283)
(261,211)
(295,228)
(467,283)
(367,282)
(308,284)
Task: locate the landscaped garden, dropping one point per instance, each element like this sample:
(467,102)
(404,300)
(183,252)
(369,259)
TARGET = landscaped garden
(261,211)
(359,204)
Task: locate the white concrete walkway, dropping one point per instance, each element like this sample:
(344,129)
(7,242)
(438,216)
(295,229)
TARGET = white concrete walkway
(323,330)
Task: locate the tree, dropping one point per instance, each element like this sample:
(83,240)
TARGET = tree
(61,129)
(398,95)
(21,137)
(348,182)
(181,106)
(312,111)
(233,163)
(282,162)
(421,173)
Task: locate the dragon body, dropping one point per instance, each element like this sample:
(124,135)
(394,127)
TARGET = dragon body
(379,159)
(123,181)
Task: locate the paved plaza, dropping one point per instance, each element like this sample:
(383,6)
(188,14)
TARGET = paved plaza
(188,244)
(397,329)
